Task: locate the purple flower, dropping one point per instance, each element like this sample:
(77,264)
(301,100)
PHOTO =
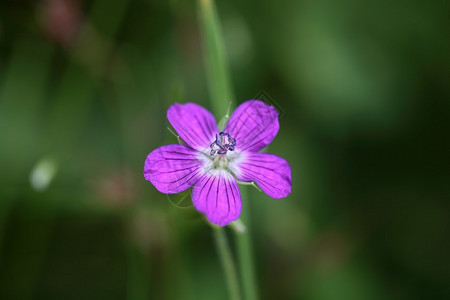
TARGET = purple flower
(212,160)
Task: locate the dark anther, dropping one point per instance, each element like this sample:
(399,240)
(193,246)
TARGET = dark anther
(224,142)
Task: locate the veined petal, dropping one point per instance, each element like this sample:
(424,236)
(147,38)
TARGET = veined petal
(217,196)
(270,172)
(195,124)
(173,168)
(254,124)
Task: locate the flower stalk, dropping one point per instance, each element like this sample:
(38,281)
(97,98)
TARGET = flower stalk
(227,262)
(216,67)
(245,252)
(221,95)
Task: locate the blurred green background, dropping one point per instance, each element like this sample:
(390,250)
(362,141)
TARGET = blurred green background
(363,87)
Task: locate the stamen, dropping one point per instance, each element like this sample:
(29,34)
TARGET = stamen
(224,142)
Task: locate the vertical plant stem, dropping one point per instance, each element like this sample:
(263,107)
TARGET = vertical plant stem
(227,262)
(221,95)
(216,66)
(19,110)
(245,251)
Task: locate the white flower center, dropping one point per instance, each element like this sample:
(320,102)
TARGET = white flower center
(227,161)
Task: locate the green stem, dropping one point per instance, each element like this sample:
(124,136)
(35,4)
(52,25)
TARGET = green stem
(227,263)
(216,66)
(244,250)
(221,95)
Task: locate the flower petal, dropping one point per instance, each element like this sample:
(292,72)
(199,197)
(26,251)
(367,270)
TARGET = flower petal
(217,195)
(195,124)
(253,125)
(270,172)
(173,168)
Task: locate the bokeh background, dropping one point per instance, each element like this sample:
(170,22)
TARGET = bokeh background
(363,90)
